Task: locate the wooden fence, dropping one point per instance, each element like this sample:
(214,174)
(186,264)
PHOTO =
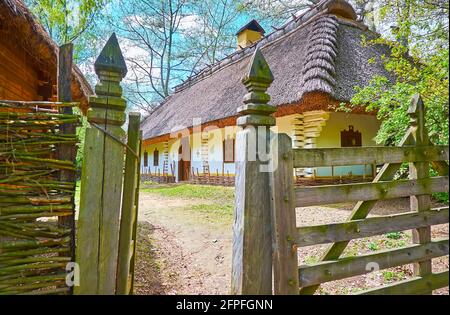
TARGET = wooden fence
(257,218)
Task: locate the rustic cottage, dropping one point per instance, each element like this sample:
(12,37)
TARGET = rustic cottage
(317,60)
(28,59)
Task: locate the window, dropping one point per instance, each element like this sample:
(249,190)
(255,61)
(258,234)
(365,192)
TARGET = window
(228,150)
(145,159)
(351,138)
(156,158)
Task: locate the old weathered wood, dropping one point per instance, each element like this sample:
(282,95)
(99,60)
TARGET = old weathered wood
(414,286)
(285,260)
(361,210)
(329,194)
(252,239)
(368,155)
(66,151)
(353,266)
(345,231)
(418,171)
(136,211)
(128,215)
(101,184)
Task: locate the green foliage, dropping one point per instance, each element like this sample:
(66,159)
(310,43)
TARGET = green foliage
(66,20)
(394,235)
(419,63)
(391,276)
(373,246)
(81,132)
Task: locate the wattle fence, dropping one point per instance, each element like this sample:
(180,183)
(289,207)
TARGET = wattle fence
(34,247)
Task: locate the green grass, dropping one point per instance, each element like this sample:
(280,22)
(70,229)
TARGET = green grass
(192,191)
(213,203)
(221,210)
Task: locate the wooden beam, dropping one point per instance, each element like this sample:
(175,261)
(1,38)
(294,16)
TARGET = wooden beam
(330,194)
(67,152)
(352,266)
(368,155)
(414,286)
(128,215)
(285,260)
(345,231)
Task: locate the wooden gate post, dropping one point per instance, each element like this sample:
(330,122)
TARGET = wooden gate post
(252,243)
(129,214)
(420,170)
(101,183)
(284,228)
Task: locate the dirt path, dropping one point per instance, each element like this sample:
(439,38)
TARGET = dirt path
(194,254)
(190,251)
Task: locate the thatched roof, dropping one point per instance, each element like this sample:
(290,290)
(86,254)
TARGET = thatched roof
(318,52)
(35,40)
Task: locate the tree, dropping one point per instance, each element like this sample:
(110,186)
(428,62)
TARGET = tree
(70,21)
(151,29)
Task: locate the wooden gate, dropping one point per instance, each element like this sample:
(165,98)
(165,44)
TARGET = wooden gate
(266,237)
(416,150)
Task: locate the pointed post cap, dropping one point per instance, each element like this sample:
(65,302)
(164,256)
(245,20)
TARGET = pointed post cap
(258,70)
(416,110)
(111,58)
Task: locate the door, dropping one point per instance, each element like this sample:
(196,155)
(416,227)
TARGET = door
(184,160)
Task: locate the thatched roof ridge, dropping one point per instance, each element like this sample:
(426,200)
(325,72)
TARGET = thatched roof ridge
(318,52)
(33,37)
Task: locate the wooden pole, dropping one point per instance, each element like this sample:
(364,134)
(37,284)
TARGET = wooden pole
(136,211)
(285,260)
(128,215)
(66,152)
(419,170)
(101,182)
(252,239)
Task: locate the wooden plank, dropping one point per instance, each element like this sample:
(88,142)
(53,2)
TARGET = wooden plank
(419,171)
(88,225)
(414,286)
(368,155)
(352,266)
(345,231)
(285,260)
(136,216)
(329,194)
(128,204)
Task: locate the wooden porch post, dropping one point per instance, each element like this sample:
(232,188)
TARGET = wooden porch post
(252,244)
(101,183)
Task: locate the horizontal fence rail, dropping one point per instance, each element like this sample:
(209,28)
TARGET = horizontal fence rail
(329,194)
(364,155)
(352,266)
(345,231)
(414,286)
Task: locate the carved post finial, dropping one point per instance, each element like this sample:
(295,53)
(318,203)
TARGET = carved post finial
(256,111)
(416,112)
(108,106)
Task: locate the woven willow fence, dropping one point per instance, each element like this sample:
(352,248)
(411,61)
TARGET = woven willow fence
(34,247)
